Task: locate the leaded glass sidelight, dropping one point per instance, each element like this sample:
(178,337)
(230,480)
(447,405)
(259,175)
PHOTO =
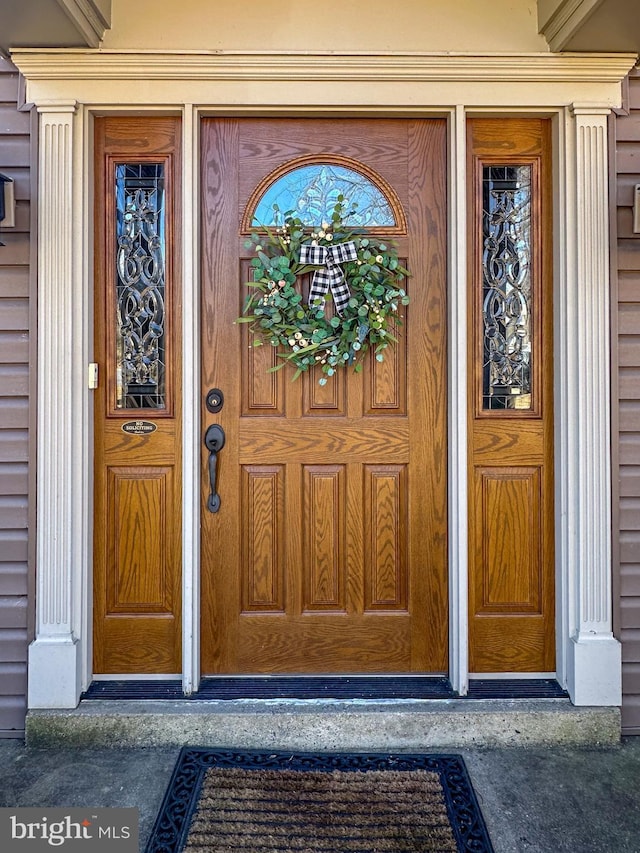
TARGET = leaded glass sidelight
(140,286)
(312,191)
(506,287)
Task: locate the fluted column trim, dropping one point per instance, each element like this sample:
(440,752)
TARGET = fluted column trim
(594,670)
(54,661)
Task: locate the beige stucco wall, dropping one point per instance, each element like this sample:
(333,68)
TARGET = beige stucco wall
(340,25)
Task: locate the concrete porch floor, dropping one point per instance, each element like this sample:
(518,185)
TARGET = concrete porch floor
(553,799)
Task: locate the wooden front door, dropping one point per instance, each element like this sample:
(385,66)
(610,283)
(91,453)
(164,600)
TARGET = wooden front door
(328,551)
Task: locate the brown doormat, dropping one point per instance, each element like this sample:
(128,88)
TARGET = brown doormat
(291,803)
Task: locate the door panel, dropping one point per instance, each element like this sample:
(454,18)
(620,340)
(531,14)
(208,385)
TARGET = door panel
(328,553)
(511,551)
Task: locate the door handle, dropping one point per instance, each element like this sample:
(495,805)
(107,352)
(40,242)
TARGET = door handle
(214,442)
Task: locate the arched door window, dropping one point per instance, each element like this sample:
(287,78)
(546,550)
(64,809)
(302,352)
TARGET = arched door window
(311,188)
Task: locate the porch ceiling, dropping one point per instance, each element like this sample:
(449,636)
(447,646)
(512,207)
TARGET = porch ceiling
(53,23)
(590,25)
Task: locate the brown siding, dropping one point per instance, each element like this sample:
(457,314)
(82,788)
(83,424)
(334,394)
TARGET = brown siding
(626,414)
(15,157)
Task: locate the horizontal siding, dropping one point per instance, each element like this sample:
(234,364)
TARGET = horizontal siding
(629,544)
(628,158)
(624,191)
(629,379)
(634,93)
(14,512)
(629,254)
(628,415)
(14,346)
(15,158)
(13,715)
(628,353)
(13,580)
(627,360)
(628,128)
(13,153)
(14,545)
(630,514)
(630,655)
(14,445)
(630,614)
(624,223)
(15,412)
(14,380)
(13,612)
(14,312)
(13,646)
(629,483)
(15,251)
(14,283)
(631,678)
(629,581)
(14,123)
(629,448)
(8,82)
(14,678)
(14,478)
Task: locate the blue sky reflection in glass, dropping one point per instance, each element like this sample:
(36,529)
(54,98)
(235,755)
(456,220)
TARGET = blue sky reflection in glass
(312,192)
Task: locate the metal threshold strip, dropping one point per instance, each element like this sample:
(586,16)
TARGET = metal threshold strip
(325,687)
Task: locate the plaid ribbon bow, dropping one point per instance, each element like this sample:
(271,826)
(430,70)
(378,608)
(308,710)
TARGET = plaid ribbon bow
(332,276)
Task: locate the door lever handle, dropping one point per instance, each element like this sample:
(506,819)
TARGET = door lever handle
(214,442)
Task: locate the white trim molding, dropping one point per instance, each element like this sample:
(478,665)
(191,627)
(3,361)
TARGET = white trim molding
(287,80)
(593,673)
(191,405)
(55,655)
(457,402)
(81,64)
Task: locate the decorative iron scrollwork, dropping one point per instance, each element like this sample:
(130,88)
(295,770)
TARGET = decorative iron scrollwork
(140,290)
(506,305)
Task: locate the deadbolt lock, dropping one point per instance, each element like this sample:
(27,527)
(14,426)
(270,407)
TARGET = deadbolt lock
(214,400)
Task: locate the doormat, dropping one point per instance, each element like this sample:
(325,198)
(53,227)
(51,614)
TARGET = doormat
(282,802)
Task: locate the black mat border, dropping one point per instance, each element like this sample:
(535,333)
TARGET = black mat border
(172,824)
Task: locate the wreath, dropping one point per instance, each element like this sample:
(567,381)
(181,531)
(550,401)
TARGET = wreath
(359,274)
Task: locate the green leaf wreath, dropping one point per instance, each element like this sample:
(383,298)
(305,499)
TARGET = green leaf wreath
(308,335)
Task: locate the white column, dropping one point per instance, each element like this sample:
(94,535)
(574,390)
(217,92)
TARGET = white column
(593,665)
(55,659)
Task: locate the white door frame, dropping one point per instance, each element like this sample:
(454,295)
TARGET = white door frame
(68,87)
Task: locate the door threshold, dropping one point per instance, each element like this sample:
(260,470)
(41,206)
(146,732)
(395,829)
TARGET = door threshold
(325,687)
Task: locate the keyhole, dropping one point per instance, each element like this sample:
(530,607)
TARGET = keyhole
(214,400)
